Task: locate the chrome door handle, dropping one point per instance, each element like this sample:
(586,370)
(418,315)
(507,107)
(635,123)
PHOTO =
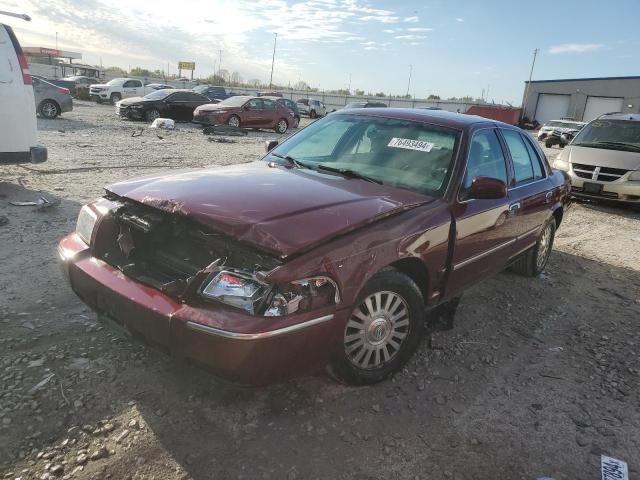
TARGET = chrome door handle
(548,196)
(514,207)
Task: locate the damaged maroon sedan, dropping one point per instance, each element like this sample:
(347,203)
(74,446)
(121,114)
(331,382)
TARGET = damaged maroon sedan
(333,250)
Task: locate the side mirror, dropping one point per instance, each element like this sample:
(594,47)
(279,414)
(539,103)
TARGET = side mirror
(487,188)
(270,145)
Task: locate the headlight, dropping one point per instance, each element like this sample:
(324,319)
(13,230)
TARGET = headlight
(561,165)
(236,289)
(303,295)
(86,221)
(635,176)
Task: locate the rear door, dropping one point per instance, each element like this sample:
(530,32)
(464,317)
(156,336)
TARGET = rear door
(530,192)
(484,228)
(252,116)
(271,113)
(17,106)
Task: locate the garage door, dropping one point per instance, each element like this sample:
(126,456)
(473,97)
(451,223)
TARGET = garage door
(551,107)
(596,106)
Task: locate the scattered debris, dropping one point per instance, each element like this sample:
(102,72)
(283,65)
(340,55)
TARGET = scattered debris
(41,383)
(40,203)
(224,130)
(137,132)
(3,220)
(221,140)
(166,123)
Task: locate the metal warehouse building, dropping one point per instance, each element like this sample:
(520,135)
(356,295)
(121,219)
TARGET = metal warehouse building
(581,98)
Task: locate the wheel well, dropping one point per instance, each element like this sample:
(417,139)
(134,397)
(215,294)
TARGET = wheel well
(416,270)
(557,213)
(49,100)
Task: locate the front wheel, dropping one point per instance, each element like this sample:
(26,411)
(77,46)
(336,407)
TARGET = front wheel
(281,126)
(49,109)
(548,144)
(383,331)
(151,115)
(313,114)
(534,260)
(296,122)
(234,121)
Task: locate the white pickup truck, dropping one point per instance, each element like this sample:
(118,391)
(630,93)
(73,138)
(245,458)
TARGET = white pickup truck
(115,90)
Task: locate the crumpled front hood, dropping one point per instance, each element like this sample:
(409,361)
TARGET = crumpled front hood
(132,100)
(279,209)
(601,157)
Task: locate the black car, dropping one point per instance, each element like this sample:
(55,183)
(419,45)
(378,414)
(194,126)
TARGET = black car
(159,86)
(212,92)
(365,105)
(166,103)
(291,105)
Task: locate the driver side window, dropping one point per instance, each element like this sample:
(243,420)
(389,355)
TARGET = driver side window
(485,159)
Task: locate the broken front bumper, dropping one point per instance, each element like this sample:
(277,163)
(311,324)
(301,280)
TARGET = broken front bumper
(242,348)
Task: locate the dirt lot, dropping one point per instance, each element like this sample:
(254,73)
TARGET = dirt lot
(538,377)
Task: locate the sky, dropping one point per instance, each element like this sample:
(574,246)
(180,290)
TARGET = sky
(454,47)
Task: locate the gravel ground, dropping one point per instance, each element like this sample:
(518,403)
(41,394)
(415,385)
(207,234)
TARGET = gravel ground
(539,377)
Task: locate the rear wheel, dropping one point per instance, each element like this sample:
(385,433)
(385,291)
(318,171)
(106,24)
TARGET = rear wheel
(383,331)
(234,121)
(151,115)
(548,143)
(49,109)
(534,260)
(313,114)
(115,98)
(281,126)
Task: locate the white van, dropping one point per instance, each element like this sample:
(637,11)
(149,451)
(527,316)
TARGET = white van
(18,135)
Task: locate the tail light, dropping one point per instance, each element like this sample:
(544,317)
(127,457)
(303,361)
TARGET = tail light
(26,77)
(66,91)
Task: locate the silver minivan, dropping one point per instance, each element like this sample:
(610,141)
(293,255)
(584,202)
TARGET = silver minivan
(18,135)
(603,160)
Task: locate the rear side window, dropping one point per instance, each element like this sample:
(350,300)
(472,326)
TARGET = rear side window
(269,104)
(485,159)
(526,164)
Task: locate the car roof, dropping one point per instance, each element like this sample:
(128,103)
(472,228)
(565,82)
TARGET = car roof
(438,117)
(632,117)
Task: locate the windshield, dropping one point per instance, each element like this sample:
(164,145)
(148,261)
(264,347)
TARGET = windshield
(610,131)
(115,81)
(234,101)
(400,153)
(158,94)
(201,88)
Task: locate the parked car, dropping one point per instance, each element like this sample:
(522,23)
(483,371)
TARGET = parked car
(366,104)
(51,100)
(562,136)
(246,112)
(603,160)
(269,94)
(291,105)
(79,84)
(311,108)
(327,251)
(551,125)
(115,90)
(165,103)
(212,92)
(160,86)
(19,132)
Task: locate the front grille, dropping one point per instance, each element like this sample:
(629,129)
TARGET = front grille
(602,174)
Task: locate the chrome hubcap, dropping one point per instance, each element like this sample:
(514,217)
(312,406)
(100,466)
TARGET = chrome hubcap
(49,109)
(282,126)
(233,121)
(544,248)
(375,332)
(153,114)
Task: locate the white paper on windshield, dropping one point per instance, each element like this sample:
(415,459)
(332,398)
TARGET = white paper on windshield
(613,469)
(410,144)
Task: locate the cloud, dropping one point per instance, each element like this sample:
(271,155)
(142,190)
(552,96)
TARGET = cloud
(419,29)
(575,48)
(410,37)
(413,19)
(380,18)
(459,19)
(389,30)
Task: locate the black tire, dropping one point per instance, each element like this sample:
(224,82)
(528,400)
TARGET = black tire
(115,98)
(296,122)
(529,264)
(313,114)
(99,100)
(48,109)
(281,126)
(234,121)
(548,144)
(152,114)
(386,283)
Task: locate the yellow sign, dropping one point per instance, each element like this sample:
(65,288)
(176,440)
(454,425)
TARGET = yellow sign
(186,65)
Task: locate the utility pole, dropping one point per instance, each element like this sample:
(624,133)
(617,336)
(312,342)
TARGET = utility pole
(349,88)
(526,90)
(220,64)
(409,82)
(273,58)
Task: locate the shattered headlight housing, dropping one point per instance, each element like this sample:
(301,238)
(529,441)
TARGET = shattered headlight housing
(87,219)
(242,290)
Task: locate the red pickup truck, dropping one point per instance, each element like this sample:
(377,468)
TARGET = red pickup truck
(333,250)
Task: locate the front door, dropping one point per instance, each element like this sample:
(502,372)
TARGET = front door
(485,234)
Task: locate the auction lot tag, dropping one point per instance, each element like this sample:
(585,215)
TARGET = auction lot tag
(410,144)
(613,469)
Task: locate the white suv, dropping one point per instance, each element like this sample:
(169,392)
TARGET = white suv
(312,108)
(115,90)
(19,132)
